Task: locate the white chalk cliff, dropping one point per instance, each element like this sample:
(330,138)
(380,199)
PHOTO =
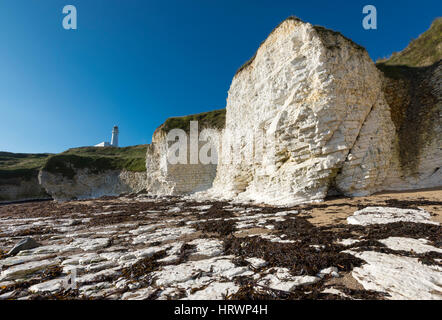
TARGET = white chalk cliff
(164,178)
(311,115)
(319,95)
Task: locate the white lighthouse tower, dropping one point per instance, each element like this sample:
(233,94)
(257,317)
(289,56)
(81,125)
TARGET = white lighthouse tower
(114,141)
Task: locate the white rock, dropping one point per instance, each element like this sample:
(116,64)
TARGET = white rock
(207,247)
(287,283)
(256,262)
(144,229)
(285,213)
(218,267)
(94,288)
(87,244)
(101,266)
(382,215)
(26,268)
(90,258)
(141,294)
(7,295)
(127,256)
(335,292)
(165,234)
(333,271)
(133,286)
(348,242)
(273,238)
(202,208)
(402,277)
(214,291)
(54,248)
(148,252)
(48,286)
(121,283)
(93,276)
(281,279)
(409,244)
(112,256)
(12,261)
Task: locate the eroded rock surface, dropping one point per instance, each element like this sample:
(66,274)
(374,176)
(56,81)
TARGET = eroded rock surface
(310,115)
(144,247)
(21,189)
(167,178)
(88,185)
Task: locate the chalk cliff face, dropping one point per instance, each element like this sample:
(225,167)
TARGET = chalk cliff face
(19,176)
(166,178)
(87,185)
(313,93)
(310,115)
(414,95)
(21,189)
(92,172)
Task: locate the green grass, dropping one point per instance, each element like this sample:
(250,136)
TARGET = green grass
(97,160)
(21,165)
(423,51)
(213,119)
(24,166)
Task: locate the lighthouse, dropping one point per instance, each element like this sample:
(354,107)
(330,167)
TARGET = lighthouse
(114,141)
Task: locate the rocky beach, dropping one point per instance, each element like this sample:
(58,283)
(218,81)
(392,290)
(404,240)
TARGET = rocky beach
(320,180)
(386,246)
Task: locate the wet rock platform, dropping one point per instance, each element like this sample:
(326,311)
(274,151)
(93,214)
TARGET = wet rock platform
(144,247)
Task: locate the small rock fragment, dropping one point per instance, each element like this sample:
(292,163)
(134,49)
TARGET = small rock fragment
(24,244)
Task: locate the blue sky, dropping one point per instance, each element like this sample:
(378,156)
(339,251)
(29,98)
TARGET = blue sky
(136,63)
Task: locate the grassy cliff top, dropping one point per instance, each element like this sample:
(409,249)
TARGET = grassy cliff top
(21,165)
(421,52)
(215,119)
(97,160)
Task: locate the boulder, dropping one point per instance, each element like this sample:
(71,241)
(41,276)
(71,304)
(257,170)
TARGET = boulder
(24,244)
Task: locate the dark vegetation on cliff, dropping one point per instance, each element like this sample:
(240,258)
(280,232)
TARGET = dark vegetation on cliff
(20,165)
(215,119)
(410,93)
(97,160)
(421,52)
